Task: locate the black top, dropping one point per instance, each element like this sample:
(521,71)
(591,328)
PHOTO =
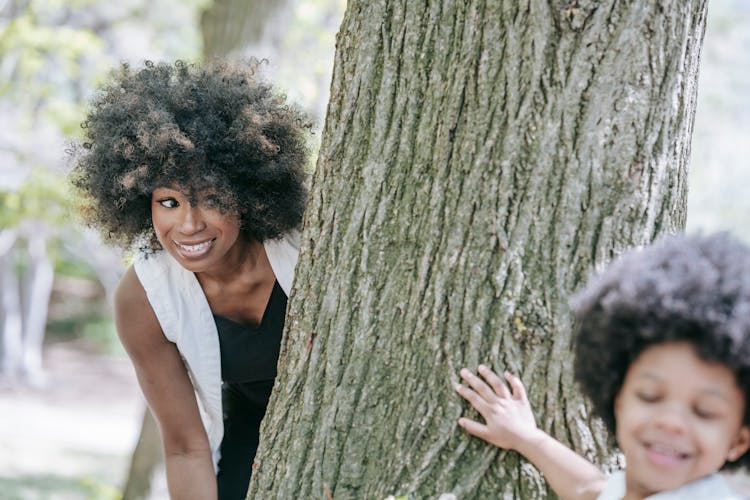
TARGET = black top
(248,367)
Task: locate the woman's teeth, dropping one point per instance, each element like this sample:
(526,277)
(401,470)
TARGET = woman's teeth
(194,249)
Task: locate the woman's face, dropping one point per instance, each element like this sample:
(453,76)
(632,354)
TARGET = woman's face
(679,418)
(199,236)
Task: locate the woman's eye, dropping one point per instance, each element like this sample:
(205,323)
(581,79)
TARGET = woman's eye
(168,203)
(212,202)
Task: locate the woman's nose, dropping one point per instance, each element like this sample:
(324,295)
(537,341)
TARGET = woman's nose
(192,221)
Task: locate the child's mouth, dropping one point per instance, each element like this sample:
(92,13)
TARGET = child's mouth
(665,455)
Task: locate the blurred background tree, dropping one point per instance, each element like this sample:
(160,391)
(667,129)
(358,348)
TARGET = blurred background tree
(719,171)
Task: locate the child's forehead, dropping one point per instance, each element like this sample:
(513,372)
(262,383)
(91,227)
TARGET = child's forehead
(679,364)
(666,356)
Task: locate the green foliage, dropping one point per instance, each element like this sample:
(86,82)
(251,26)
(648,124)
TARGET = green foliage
(103,334)
(98,490)
(44,196)
(70,265)
(57,486)
(47,66)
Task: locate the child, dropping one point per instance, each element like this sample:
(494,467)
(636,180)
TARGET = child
(663,354)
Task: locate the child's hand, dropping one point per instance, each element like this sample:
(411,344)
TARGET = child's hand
(509,421)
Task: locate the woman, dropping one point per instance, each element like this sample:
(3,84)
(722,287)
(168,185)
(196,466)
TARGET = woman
(202,167)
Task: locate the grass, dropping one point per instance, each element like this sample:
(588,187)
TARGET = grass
(57,487)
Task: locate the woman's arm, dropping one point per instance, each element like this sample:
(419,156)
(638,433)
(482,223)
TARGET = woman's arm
(509,423)
(169,392)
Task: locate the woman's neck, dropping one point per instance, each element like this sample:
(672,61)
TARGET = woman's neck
(244,260)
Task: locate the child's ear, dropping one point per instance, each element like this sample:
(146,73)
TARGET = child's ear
(740,445)
(617,403)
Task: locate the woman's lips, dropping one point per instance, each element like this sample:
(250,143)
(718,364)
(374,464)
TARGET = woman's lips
(194,250)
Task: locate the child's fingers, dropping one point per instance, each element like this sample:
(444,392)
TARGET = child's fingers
(473,428)
(473,398)
(495,382)
(519,391)
(478,385)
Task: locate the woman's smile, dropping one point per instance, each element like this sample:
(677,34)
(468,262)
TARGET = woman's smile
(194,250)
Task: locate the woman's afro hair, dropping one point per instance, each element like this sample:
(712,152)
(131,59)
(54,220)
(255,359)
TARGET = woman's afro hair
(682,288)
(191,127)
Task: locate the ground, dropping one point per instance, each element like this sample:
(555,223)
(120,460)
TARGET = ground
(72,437)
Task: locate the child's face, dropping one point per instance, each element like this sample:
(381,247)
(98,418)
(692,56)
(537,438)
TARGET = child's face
(679,418)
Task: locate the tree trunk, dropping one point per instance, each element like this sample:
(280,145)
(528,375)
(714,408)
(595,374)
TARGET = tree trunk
(11,328)
(106,261)
(228,26)
(479,159)
(145,461)
(37,288)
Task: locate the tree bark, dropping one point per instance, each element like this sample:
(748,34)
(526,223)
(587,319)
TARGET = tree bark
(479,158)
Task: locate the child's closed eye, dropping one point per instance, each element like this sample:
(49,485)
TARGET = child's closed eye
(648,397)
(704,413)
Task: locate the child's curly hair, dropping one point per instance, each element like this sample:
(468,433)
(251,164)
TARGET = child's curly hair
(192,128)
(682,288)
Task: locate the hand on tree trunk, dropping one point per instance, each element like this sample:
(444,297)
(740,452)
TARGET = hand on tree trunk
(509,421)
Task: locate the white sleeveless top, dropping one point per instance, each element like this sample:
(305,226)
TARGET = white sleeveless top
(186,319)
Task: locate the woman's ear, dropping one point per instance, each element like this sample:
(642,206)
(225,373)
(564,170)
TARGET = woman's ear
(740,445)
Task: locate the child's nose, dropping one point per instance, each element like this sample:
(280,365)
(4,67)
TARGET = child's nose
(672,418)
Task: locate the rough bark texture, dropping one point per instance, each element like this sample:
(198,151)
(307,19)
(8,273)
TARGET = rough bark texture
(479,159)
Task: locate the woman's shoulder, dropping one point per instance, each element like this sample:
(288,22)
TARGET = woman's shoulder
(130,294)
(134,316)
(151,261)
(159,273)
